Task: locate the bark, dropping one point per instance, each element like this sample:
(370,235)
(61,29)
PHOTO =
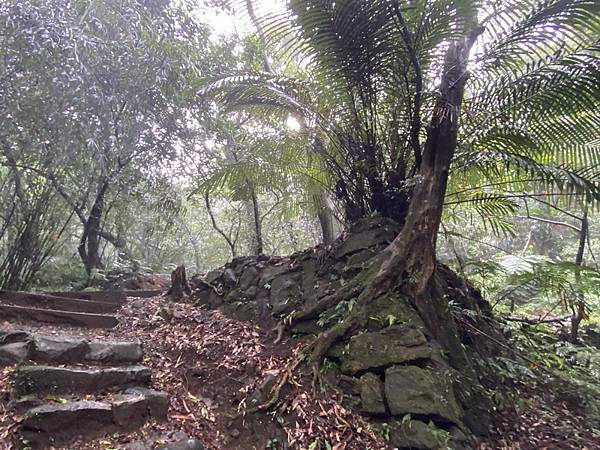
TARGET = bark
(179,284)
(89,244)
(579,307)
(326,219)
(257,238)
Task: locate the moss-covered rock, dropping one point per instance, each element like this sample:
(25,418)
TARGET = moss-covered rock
(367,234)
(417,434)
(413,390)
(390,310)
(378,350)
(372,398)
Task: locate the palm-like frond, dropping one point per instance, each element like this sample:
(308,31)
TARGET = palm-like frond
(276,94)
(489,209)
(531,114)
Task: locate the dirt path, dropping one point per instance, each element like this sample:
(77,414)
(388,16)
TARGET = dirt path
(209,365)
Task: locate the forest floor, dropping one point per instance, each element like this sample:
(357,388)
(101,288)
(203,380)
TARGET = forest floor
(210,365)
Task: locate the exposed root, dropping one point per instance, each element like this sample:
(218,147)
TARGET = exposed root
(279,329)
(327,338)
(316,351)
(349,291)
(216,290)
(281,382)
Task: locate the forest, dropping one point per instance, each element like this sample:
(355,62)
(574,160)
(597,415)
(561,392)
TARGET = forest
(299,224)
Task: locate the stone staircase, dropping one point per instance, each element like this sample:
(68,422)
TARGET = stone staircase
(83,309)
(92,310)
(68,388)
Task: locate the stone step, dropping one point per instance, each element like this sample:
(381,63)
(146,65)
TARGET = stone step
(44,301)
(109,296)
(19,347)
(81,319)
(41,380)
(117,297)
(144,294)
(56,424)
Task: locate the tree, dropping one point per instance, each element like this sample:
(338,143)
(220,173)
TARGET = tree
(396,94)
(95,96)
(30,227)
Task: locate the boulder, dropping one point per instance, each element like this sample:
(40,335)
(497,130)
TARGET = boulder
(22,404)
(350,385)
(249,277)
(417,434)
(115,352)
(213,276)
(392,309)
(229,278)
(157,402)
(58,380)
(241,310)
(129,411)
(14,353)
(186,444)
(358,260)
(57,349)
(417,391)
(59,423)
(263,391)
(367,234)
(394,345)
(285,292)
(9,337)
(372,399)
(270,271)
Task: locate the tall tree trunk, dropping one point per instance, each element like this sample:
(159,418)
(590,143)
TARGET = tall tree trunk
(579,305)
(231,240)
(326,219)
(250,9)
(412,255)
(256,242)
(89,244)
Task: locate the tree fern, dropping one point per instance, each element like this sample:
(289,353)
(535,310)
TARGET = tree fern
(371,68)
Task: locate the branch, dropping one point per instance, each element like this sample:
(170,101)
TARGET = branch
(501,183)
(536,321)
(57,186)
(250,8)
(215,226)
(552,222)
(117,242)
(415,126)
(16,176)
(477,241)
(565,212)
(532,196)
(272,208)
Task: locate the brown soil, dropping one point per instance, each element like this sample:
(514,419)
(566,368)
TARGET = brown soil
(209,365)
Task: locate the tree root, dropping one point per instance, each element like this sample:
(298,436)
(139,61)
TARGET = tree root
(281,382)
(215,289)
(349,291)
(315,351)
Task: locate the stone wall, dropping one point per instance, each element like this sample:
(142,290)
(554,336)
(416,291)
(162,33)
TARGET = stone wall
(392,371)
